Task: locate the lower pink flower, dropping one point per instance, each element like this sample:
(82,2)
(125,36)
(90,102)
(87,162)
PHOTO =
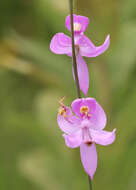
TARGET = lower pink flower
(84,128)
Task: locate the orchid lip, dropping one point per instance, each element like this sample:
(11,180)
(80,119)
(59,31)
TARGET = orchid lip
(77,27)
(84,109)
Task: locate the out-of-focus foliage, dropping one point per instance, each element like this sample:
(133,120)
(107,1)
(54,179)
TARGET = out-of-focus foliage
(32,152)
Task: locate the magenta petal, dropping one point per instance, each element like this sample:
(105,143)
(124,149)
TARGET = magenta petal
(68,124)
(86,46)
(102,137)
(81,20)
(65,125)
(61,44)
(89,158)
(97,118)
(88,49)
(79,102)
(83,74)
(73,140)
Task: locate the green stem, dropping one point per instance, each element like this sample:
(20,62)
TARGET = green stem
(73,50)
(75,64)
(90,183)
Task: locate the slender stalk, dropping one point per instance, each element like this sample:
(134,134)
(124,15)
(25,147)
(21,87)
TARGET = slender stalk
(90,183)
(75,64)
(73,50)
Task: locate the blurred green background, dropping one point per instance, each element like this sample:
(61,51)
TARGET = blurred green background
(33,155)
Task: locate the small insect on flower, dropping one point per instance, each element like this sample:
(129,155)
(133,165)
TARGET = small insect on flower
(62,109)
(84,129)
(62,44)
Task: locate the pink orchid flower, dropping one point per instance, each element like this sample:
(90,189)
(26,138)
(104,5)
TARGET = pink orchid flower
(62,44)
(84,128)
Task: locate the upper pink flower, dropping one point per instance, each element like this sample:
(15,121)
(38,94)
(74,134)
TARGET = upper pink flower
(84,128)
(62,44)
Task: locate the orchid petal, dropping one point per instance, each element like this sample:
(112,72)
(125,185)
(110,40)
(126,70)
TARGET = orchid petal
(97,118)
(102,137)
(73,140)
(89,158)
(79,102)
(68,123)
(88,49)
(61,44)
(82,22)
(83,74)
